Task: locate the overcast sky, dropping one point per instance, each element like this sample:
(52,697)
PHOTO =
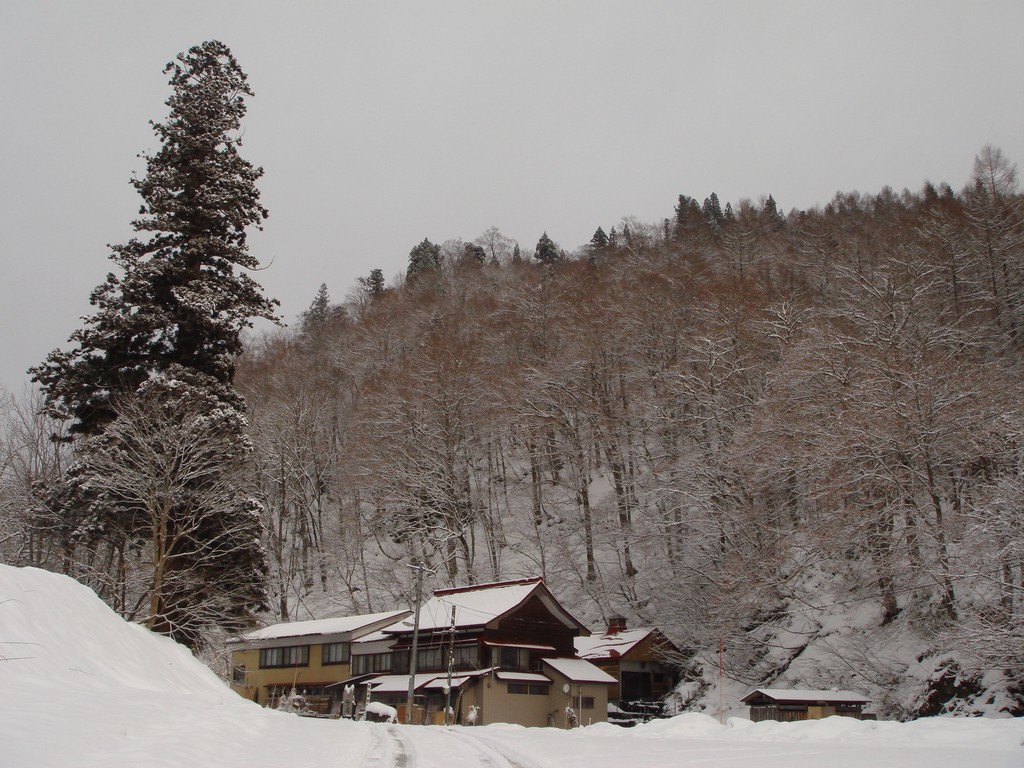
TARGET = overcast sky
(381,123)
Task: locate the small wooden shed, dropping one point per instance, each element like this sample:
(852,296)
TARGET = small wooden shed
(788,705)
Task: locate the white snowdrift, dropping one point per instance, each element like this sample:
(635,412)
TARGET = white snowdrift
(79,687)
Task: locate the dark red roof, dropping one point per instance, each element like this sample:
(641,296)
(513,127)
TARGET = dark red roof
(491,585)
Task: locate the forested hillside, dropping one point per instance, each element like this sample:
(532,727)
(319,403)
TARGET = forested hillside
(795,435)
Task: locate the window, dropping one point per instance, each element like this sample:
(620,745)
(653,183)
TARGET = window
(335,653)
(293,656)
(431,658)
(533,689)
(400,662)
(371,662)
(238,675)
(514,658)
(467,656)
(436,658)
(586,702)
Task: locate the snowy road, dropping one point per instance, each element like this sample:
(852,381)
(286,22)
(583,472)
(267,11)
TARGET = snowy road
(397,746)
(697,741)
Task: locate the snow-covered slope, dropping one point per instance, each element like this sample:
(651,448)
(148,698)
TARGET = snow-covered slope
(827,638)
(82,688)
(79,686)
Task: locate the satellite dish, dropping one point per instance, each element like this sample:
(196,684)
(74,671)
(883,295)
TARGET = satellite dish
(565,688)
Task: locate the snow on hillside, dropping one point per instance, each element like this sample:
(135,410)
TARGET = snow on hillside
(83,688)
(842,643)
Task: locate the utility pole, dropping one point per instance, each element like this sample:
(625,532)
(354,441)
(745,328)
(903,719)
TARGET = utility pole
(451,665)
(721,683)
(420,569)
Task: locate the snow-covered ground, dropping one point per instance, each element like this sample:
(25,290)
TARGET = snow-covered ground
(80,687)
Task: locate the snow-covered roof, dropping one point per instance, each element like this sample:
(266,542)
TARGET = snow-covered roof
(479,605)
(607,646)
(457,680)
(804,694)
(340,625)
(400,683)
(579,671)
(526,646)
(523,677)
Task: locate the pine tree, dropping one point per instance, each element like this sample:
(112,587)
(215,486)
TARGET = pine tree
(473,253)
(600,240)
(712,213)
(159,351)
(375,282)
(547,251)
(319,311)
(771,216)
(688,218)
(181,300)
(321,314)
(423,258)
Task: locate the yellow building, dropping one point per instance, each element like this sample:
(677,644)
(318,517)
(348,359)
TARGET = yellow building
(306,656)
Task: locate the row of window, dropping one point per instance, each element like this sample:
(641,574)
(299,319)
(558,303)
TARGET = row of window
(298,655)
(541,689)
(371,662)
(292,656)
(463,657)
(534,689)
(466,656)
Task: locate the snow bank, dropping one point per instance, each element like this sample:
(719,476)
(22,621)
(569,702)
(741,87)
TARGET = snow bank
(960,732)
(82,687)
(53,628)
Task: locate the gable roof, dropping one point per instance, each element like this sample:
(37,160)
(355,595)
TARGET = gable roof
(611,646)
(339,628)
(483,605)
(805,695)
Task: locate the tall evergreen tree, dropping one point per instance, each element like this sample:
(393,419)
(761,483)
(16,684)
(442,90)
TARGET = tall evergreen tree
(771,215)
(423,258)
(712,212)
(547,251)
(181,299)
(321,314)
(167,328)
(375,282)
(688,216)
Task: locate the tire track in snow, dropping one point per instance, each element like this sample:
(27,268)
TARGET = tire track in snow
(484,756)
(387,750)
(404,754)
(497,755)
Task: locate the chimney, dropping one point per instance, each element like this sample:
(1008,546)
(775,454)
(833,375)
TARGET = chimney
(616,624)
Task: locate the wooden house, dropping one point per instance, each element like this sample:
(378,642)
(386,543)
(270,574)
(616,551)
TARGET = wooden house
(788,705)
(639,660)
(500,652)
